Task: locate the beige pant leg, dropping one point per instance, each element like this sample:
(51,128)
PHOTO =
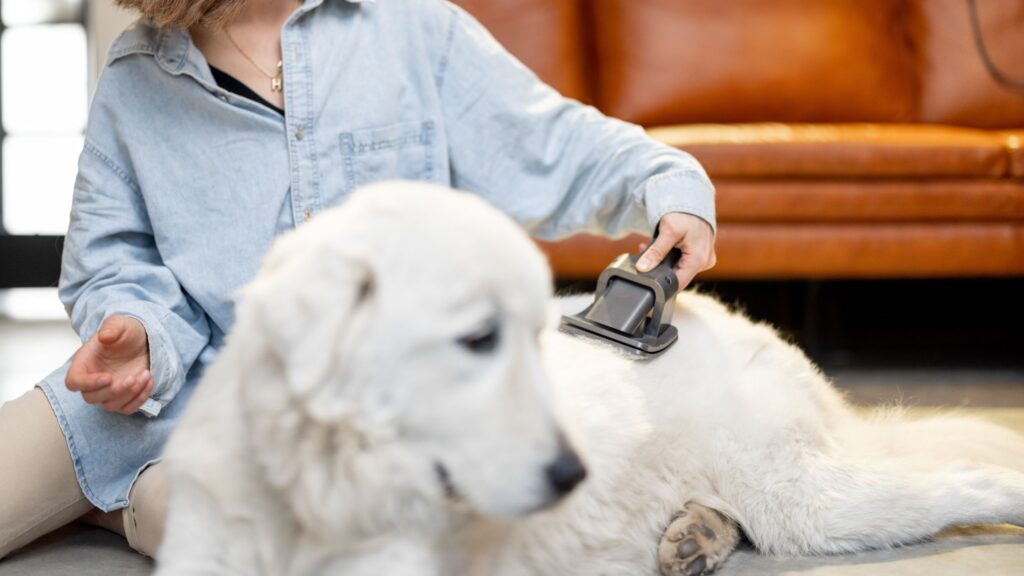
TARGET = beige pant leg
(147,509)
(38,489)
(142,522)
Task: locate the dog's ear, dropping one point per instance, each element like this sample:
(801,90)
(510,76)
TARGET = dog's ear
(309,306)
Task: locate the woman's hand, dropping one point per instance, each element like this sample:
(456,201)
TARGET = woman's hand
(112,368)
(692,235)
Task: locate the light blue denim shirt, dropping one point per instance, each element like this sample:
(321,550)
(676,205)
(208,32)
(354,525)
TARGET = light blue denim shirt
(182,186)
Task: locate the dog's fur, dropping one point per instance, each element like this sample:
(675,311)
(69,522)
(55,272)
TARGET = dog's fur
(393,393)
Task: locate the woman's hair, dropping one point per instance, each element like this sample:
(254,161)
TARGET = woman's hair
(185,13)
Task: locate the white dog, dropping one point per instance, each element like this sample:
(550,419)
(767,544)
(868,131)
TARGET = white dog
(393,399)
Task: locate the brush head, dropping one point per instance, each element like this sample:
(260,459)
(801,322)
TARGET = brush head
(631,309)
(643,346)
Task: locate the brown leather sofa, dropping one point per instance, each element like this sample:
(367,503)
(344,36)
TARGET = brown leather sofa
(846,139)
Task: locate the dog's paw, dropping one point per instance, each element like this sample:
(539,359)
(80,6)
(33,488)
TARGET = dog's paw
(697,541)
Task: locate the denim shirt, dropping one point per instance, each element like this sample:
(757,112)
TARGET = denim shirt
(183,186)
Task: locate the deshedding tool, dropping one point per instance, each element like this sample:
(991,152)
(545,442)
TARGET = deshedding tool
(631,309)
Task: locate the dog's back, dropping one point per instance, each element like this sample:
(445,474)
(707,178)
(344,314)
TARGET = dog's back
(736,419)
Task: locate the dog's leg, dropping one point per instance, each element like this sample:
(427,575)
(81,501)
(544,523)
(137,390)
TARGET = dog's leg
(193,543)
(820,506)
(933,442)
(697,541)
(198,540)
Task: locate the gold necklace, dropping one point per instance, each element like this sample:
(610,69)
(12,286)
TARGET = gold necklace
(276,79)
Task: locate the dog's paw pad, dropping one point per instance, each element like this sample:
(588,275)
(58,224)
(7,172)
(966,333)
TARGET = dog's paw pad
(696,542)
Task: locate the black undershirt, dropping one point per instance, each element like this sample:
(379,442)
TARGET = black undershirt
(234,85)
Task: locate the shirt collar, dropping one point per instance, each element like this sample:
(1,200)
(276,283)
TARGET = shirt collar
(172,47)
(310,4)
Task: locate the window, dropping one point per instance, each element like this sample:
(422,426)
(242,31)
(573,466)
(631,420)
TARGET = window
(43,106)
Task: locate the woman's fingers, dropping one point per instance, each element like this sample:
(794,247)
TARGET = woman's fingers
(689,266)
(78,380)
(692,235)
(115,396)
(108,393)
(99,378)
(686,272)
(135,402)
(80,377)
(92,365)
(695,260)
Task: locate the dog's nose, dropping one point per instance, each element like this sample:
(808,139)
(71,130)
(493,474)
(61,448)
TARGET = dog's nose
(566,472)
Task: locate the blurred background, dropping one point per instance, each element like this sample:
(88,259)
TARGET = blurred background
(867,155)
(51,52)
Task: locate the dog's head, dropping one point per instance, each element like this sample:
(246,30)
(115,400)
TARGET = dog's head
(394,361)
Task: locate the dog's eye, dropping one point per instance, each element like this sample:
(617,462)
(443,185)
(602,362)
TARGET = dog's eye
(481,342)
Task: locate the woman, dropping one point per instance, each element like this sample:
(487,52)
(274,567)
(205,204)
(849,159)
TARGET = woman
(217,125)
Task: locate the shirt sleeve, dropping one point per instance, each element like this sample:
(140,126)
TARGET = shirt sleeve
(111,266)
(554,164)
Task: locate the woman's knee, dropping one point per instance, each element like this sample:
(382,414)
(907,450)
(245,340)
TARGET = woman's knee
(146,513)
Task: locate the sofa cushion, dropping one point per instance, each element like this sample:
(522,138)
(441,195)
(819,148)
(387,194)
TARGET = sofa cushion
(852,150)
(676,61)
(898,250)
(1015,144)
(545,34)
(869,251)
(905,200)
(956,87)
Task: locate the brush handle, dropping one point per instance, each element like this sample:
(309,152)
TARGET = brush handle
(673,257)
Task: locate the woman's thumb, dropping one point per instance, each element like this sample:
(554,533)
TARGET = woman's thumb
(655,254)
(111,330)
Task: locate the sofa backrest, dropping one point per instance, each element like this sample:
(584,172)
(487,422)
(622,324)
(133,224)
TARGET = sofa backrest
(956,87)
(547,35)
(685,61)
(658,62)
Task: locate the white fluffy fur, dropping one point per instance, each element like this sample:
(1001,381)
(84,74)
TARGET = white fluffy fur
(313,443)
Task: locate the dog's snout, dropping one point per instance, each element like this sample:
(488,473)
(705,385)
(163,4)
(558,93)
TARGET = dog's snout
(566,472)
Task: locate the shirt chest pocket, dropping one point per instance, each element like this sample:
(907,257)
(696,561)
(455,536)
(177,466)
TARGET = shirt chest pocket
(400,151)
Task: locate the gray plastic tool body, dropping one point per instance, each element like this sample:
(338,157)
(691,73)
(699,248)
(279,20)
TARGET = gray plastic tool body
(631,309)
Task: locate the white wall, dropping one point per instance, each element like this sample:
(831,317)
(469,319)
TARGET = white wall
(105,21)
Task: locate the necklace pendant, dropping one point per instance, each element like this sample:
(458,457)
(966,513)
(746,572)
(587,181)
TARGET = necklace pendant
(276,84)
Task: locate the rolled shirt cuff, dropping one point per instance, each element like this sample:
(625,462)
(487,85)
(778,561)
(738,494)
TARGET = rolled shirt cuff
(686,191)
(164,363)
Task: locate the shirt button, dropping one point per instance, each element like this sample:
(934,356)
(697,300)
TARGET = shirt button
(298,133)
(308,214)
(222,97)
